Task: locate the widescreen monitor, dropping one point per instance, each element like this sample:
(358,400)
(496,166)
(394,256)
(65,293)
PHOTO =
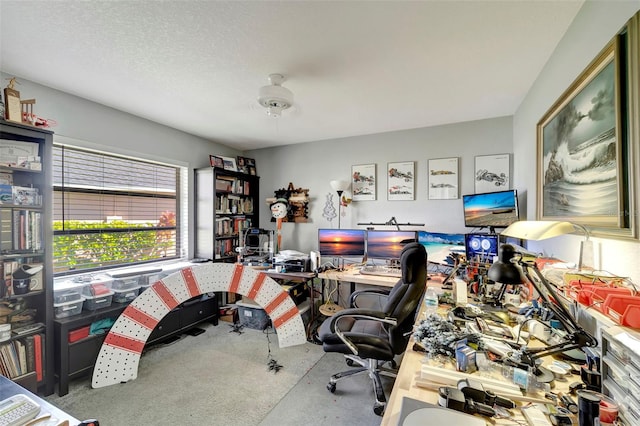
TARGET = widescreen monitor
(388,244)
(491,209)
(341,242)
(440,246)
(481,247)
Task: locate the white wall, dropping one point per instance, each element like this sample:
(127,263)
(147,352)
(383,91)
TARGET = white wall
(594,26)
(313,165)
(97,126)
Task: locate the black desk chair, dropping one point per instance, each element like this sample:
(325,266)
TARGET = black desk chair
(371,338)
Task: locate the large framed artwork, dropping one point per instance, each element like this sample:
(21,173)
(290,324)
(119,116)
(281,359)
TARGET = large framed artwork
(443,178)
(363,182)
(582,172)
(492,173)
(400,180)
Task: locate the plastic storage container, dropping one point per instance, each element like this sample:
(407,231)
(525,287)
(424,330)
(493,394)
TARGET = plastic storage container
(68,309)
(252,317)
(69,295)
(126,295)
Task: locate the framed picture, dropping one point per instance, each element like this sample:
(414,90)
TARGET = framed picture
(229,163)
(443,179)
(581,170)
(252,170)
(492,173)
(242,165)
(400,180)
(216,161)
(363,182)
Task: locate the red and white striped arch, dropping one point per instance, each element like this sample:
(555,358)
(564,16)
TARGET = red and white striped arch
(120,353)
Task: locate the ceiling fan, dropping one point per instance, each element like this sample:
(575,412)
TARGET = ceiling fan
(274,97)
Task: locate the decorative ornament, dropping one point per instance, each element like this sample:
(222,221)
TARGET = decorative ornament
(329,211)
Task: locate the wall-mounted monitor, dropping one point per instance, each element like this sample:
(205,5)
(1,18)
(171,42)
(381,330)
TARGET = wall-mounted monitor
(491,209)
(440,246)
(388,244)
(481,247)
(342,242)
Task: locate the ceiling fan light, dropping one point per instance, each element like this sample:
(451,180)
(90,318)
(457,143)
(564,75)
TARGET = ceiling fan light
(274,97)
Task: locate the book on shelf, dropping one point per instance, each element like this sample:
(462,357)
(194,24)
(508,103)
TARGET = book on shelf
(30,352)
(38,348)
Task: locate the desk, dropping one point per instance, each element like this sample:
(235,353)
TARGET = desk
(405,386)
(9,388)
(299,277)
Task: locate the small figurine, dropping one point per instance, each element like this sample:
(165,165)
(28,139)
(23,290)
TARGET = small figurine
(12,83)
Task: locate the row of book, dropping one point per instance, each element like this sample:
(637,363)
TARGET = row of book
(23,356)
(233,204)
(20,229)
(225,248)
(233,185)
(232,226)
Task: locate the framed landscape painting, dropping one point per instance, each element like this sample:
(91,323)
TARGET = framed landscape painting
(581,170)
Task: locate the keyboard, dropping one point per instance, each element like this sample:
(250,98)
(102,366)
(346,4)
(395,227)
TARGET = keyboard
(383,271)
(18,410)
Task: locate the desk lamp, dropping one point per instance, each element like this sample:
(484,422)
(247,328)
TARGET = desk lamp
(339,186)
(543,229)
(511,268)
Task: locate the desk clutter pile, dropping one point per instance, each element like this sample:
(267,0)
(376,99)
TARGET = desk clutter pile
(505,360)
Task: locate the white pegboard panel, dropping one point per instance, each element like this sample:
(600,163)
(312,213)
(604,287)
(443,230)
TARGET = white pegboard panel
(120,353)
(151,304)
(114,365)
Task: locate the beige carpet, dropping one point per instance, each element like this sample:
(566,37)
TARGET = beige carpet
(216,378)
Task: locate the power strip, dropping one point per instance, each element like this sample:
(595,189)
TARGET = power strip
(535,416)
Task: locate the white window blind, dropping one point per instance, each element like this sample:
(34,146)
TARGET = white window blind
(112,210)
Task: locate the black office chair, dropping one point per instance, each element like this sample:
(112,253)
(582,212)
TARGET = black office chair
(371,338)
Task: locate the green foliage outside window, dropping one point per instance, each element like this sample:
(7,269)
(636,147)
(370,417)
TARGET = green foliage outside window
(111,246)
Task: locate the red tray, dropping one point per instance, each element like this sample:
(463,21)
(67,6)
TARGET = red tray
(625,310)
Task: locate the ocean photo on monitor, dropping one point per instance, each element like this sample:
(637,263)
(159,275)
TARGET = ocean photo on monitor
(440,246)
(341,242)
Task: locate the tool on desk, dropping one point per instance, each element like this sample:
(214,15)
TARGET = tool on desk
(456,400)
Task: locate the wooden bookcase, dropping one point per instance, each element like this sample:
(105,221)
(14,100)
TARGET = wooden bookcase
(226,205)
(26,241)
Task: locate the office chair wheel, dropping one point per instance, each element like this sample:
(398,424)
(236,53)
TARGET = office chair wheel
(379,409)
(349,362)
(331,387)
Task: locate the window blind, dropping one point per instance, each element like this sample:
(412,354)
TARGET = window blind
(112,211)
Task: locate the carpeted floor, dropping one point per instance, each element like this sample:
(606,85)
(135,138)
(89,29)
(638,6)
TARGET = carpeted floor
(223,378)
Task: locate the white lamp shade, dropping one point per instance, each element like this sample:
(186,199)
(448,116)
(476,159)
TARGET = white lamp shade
(538,229)
(339,185)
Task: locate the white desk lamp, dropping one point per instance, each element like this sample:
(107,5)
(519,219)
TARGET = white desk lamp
(543,229)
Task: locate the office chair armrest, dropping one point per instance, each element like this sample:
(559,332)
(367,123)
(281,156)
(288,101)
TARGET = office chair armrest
(358,313)
(381,294)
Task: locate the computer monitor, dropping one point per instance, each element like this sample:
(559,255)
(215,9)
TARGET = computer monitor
(388,244)
(341,242)
(491,209)
(481,247)
(440,246)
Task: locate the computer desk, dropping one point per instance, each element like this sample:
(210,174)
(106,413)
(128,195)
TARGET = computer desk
(407,385)
(353,276)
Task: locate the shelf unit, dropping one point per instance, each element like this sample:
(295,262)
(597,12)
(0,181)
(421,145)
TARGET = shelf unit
(26,238)
(226,205)
(77,359)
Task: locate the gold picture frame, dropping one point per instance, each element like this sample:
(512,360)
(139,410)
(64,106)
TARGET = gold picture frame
(582,167)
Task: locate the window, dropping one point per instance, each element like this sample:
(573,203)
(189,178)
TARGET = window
(112,210)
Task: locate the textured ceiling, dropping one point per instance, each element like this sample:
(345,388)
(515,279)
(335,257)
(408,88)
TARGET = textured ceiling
(354,67)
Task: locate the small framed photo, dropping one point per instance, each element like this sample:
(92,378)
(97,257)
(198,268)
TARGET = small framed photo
(216,161)
(229,163)
(242,165)
(252,170)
